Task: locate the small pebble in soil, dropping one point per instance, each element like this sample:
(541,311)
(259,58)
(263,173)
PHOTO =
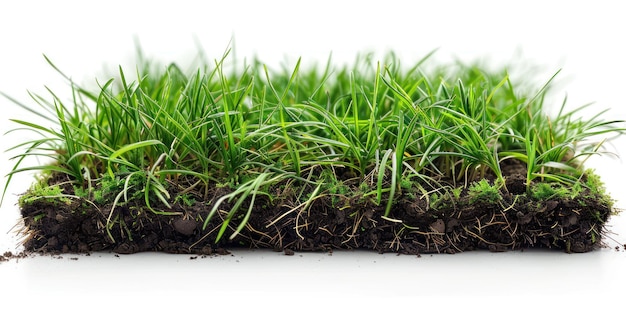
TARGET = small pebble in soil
(185,226)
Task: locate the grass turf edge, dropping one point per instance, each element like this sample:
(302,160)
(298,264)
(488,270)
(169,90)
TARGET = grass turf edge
(373,157)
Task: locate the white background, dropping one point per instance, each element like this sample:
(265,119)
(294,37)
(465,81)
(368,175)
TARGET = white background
(88,39)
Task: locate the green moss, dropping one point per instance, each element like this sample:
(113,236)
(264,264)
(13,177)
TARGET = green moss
(435,200)
(42,191)
(406,183)
(445,199)
(597,188)
(545,191)
(483,191)
(81,192)
(457,192)
(185,199)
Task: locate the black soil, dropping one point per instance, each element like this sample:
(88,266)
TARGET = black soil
(331,222)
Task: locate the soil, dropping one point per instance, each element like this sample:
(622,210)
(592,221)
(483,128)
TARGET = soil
(330,223)
(8,255)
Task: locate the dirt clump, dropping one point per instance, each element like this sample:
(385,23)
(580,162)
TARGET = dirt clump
(413,226)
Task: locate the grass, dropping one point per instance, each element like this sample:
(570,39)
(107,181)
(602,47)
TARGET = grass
(250,129)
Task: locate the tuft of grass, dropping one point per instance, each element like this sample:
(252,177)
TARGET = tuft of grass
(249,128)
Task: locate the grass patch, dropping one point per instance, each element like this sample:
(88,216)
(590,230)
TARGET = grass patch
(373,130)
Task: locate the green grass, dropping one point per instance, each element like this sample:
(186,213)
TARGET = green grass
(251,128)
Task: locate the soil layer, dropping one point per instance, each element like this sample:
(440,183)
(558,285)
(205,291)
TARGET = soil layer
(414,226)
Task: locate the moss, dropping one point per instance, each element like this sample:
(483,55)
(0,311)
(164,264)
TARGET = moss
(545,191)
(483,191)
(40,190)
(185,199)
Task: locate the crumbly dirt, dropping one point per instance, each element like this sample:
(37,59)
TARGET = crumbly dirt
(8,255)
(329,223)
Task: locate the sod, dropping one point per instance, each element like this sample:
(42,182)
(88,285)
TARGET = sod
(428,158)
